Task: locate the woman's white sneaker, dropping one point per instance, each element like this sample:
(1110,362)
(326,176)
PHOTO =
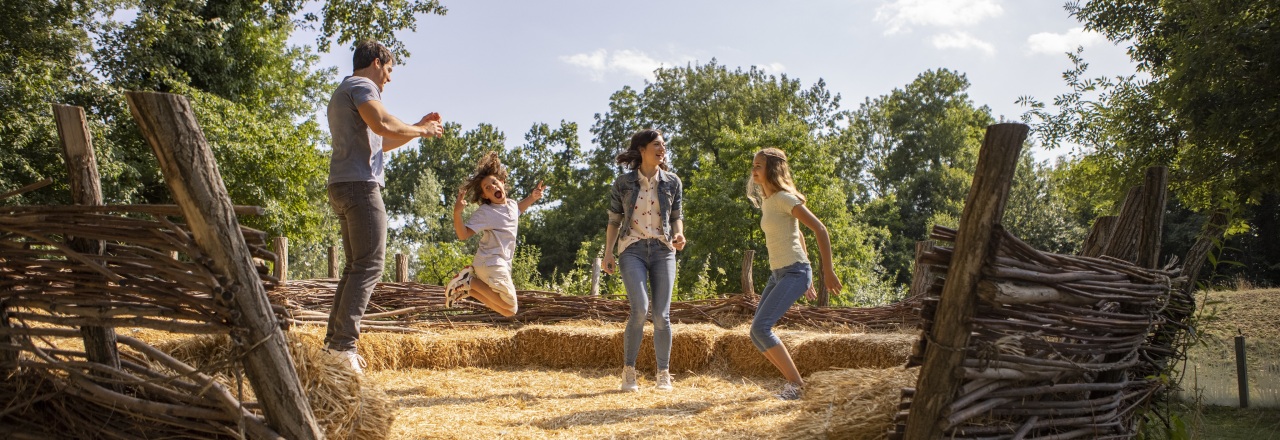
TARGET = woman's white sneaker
(629,379)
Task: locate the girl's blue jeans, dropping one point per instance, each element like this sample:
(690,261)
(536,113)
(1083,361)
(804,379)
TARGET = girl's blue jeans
(785,286)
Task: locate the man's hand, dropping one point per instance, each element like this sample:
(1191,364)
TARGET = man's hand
(431,122)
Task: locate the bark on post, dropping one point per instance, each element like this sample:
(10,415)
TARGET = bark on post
(748,286)
(974,247)
(402,268)
(169,125)
(333,261)
(1099,236)
(1214,227)
(82,168)
(1154,198)
(281,245)
(1124,237)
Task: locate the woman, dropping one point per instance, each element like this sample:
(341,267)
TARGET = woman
(782,208)
(645,222)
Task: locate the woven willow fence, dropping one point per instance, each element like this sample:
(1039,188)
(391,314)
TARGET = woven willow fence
(1061,345)
(150,274)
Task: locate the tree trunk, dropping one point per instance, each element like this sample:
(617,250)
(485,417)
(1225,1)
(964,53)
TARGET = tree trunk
(169,125)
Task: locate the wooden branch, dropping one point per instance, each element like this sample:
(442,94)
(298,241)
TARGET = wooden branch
(169,125)
(26,189)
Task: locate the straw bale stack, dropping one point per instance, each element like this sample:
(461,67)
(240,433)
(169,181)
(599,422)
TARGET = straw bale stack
(858,350)
(599,345)
(345,407)
(570,346)
(741,357)
(480,347)
(853,404)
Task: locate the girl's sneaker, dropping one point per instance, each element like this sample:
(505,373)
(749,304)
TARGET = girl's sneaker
(458,288)
(629,379)
(663,380)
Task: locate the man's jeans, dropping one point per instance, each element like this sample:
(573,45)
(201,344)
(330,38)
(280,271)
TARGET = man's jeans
(648,270)
(363,219)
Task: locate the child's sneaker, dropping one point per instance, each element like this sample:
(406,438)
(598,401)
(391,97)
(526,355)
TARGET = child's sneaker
(663,380)
(629,379)
(458,288)
(791,391)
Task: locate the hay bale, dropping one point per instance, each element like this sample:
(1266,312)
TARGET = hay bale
(345,406)
(740,357)
(851,404)
(592,345)
(858,350)
(570,346)
(478,348)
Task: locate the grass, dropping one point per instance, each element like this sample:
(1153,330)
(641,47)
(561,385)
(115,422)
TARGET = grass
(1227,423)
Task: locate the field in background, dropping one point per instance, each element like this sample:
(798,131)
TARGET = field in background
(1211,367)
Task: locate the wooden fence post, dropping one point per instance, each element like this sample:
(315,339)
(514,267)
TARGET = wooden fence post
(82,168)
(1123,243)
(748,286)
(1099,236)
(402,268)
(1242,371)
(281,245)
(974,247)
(1154,197)
(333,261)
(595,277)
(168,123)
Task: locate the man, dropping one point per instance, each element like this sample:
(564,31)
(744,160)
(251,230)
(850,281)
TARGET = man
(362,132)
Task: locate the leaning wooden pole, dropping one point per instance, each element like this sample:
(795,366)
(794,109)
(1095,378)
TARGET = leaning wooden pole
(974,246)
(86,189)
(1154,198)
(169,125)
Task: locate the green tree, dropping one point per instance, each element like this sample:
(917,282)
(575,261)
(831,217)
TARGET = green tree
(916,150)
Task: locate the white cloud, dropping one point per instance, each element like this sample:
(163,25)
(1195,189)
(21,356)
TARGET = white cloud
(962,40)
(900,15)
(627,62)
(1051,43)
(774,68)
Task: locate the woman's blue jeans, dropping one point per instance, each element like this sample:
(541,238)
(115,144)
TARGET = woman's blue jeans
(648,272)
(785,286)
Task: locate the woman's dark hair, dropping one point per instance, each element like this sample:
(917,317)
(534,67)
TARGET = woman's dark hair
(370,50)
(631,157)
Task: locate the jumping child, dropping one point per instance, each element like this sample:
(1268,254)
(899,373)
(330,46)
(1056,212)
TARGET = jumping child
(488,278)
(772,189)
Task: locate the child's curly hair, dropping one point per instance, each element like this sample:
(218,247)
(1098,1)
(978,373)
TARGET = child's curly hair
(490,165)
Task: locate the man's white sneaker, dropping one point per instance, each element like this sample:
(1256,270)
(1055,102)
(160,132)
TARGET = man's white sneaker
(350,357)
(791,391)
(629,379)
(664,380)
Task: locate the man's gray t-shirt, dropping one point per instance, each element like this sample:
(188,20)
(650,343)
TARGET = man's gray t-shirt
(357,150)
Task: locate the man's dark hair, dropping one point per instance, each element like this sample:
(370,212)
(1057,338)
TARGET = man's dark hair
(370,50)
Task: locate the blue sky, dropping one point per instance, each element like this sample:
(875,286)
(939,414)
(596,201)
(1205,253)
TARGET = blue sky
(516,63)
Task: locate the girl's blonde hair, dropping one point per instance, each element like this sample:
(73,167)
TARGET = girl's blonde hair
(490,165)
(777,172)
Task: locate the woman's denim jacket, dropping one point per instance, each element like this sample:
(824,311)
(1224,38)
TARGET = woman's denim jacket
(626,188)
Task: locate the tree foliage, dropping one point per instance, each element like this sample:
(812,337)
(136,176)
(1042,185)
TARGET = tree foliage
(916,149)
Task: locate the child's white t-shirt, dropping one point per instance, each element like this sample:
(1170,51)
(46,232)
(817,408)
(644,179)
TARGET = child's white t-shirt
(497,226)
(782,230)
